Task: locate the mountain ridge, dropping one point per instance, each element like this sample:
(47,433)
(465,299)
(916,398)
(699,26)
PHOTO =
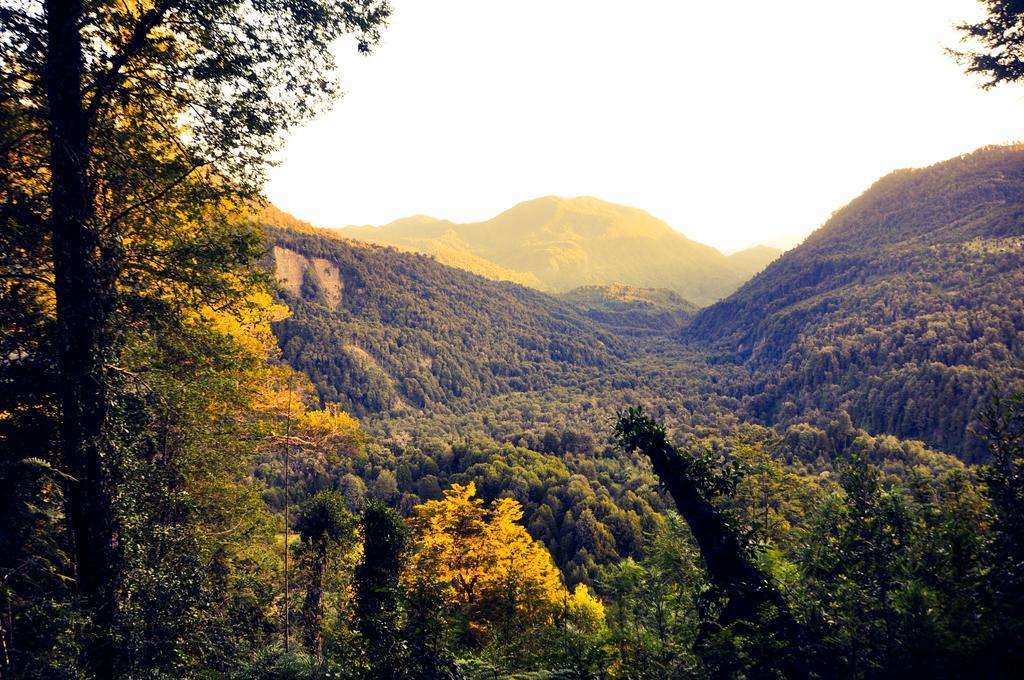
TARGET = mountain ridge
(903,309)
(557,244)
(900,312)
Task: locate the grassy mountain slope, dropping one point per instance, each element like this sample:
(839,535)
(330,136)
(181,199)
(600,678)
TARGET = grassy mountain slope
(904,309)
(557,244)
(439,238)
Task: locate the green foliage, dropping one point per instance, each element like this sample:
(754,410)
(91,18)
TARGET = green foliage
(327,529)
(324,520)
(998,49)
(378,593)
(896,316)
(632,310)
(653,606)
(901,310)
(129,131)
(859,557)
(753,629)
(274,663)
(1004,478)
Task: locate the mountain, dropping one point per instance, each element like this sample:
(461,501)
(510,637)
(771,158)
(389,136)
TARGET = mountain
(904,309)
(902,312)
(417,348)
(381,330)
(754,259)
(557,244)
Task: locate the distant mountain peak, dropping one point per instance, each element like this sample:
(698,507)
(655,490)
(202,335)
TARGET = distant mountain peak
(418,218)
(558,243)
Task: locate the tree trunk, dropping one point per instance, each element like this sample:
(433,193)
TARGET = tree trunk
(82,303)
(313,630)
(749,594)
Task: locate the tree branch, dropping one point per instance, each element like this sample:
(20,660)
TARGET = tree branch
(110,78)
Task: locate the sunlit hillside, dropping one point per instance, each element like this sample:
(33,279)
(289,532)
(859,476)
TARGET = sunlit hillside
(557,244)
(904,309)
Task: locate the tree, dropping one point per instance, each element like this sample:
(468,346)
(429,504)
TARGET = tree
(1003,426)
(354,490)
(326,528)
(770,499)
(385,486)
(428,630)
(504,582)
(653,604)
(137,123)
(858,564)
(999,42)
(752,603)
(378,590)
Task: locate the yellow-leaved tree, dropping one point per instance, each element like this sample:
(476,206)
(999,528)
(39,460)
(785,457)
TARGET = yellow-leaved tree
(500,579)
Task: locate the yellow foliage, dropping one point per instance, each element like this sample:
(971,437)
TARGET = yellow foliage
(584,610)
(331,419)
(328,433)
(283,398)
(489,564)
(249,324)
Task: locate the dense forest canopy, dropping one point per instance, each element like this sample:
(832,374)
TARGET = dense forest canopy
(900,312)
(903,309)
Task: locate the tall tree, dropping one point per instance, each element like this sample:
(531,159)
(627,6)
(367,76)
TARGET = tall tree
(1004,477)
(858,563)
(378,591)
(135,122)
(750,597)
(325,526)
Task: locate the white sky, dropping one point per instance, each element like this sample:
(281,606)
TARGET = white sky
(737,123)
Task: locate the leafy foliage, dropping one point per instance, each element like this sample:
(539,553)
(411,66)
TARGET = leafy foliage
(377,589)
(998,46)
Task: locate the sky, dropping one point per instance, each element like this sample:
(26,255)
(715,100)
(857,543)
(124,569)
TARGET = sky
(737,123)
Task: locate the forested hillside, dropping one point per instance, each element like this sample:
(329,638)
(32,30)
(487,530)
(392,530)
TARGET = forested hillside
(417,347)
(409,344)
(631,309)
(381,330)
(556,244)
(904,309)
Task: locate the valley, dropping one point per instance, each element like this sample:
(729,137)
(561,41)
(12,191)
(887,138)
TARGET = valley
(907,296)
(555,439)
(460,378)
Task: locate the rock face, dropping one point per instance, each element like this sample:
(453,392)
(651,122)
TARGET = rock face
(289,267)
(293,270)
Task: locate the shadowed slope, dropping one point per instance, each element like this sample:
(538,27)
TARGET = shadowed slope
(904,309)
